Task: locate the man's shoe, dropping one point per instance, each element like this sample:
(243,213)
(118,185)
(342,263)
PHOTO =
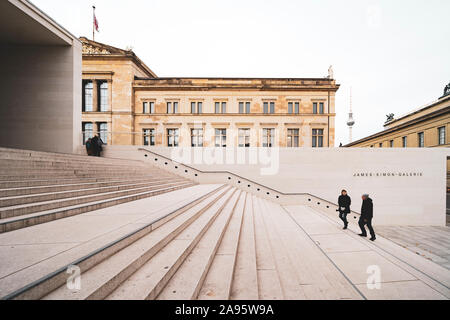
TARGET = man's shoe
(362,235)
(373,238)
(345,227)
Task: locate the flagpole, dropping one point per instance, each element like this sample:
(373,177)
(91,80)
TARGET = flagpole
(93,23)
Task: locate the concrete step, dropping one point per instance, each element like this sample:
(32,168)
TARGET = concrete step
(7,153)
(285,268)
(51,163)
(244,285)
(188,280)
(102,238)
(20,210)
(11,224)
(148,281)
(8,174)
(219,280)
(24,191)
(100,280)
(42,197)
(42,182)
(269,285)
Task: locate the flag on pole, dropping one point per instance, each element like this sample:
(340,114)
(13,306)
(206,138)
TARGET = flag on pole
(95,22)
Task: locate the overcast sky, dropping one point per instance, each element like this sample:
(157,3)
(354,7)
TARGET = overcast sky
(394,54)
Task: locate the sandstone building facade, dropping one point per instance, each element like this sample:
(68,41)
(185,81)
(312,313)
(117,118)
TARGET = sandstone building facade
(426,127)
(127,104)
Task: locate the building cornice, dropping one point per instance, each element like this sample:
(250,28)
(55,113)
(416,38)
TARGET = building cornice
(252,84)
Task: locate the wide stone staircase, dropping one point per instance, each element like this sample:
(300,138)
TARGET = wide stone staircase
(117,229)
(38,187)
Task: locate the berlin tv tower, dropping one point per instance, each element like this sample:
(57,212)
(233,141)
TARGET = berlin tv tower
(350,121)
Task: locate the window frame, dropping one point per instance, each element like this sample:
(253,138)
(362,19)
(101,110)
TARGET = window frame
(245,135)
(220,137)
(85,137)
(103,103)
(269,107)
(103,132)
(442,139)
(268,137)
(318,138)
(85,108)
(404,142)
(175,136)
(196,107)
(293,107)
(246,107)
(150,136)
(220,107)
(197,137)
(170,107)
(421,139)
(290,143)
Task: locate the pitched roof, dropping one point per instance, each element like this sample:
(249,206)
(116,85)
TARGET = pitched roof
(94,48)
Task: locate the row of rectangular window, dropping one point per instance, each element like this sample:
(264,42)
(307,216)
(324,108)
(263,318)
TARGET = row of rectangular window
(420,139)
(221,107)
(220,138)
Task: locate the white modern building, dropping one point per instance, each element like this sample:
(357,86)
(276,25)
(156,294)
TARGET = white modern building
(41,80)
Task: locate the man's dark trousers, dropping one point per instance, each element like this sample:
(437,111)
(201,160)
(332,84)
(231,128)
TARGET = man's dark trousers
(368,222)
(343,217)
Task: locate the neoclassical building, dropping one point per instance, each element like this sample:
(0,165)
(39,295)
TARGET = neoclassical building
(127,104)
(425,127)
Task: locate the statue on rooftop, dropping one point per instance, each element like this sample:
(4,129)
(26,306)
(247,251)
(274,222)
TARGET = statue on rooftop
(447,90)
(330,73)
(389,117)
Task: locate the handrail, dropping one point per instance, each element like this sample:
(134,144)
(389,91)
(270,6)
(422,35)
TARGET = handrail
(243,178)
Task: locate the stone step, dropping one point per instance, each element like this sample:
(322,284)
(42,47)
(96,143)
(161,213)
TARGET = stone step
(20,210)
(280,250)
(219,280)
(42,197)
(51,163)
(148,281)
(5,173)
(42,182)
(73,159)
(102,238)
(11,224)
(7,153)
(269,285)
(187,282)
(189,278)
(244,285)
(24,191)
(44,176)
(100,280)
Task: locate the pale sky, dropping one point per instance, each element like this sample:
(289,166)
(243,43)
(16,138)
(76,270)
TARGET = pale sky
(394,54)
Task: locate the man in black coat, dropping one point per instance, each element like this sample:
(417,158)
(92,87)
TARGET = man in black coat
(366,217)
(344,202)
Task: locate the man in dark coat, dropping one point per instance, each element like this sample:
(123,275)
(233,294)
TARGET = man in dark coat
(89,149)
(366,217)
(97,146)
(344,202)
